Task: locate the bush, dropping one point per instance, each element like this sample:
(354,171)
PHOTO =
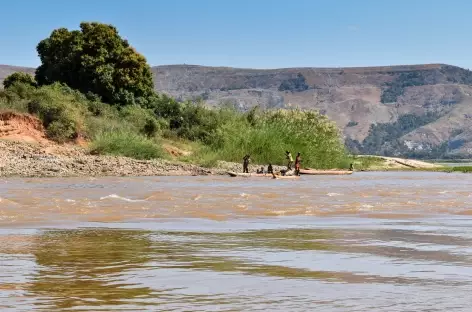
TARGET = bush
(19,77)
(16,98)
(61,110)
(127,144)
(143,120)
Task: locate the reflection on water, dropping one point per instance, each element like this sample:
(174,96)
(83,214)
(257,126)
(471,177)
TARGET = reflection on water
(152,245)
(84,268)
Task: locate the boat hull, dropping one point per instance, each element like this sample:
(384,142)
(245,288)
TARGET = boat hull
(259,175)
(324,172)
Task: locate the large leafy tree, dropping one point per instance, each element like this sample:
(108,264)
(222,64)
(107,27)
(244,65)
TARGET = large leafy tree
(95,59)
(18,77)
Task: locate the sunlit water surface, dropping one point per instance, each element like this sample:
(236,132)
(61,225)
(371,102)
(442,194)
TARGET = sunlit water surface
(366,242)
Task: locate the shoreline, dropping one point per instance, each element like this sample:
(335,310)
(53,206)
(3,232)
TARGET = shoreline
(33,160)
(28,160)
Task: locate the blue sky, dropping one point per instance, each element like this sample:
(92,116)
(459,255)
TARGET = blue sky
(257,33)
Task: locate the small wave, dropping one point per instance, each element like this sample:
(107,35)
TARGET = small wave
(365,207)
(197,197)
(7,201)
(333,194)
(114,196)
(70,200)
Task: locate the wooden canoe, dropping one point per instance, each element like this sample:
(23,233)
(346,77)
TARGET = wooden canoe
(325,172)
(259,175)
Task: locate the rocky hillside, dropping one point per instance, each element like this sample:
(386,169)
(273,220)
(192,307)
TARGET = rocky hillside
(414,111)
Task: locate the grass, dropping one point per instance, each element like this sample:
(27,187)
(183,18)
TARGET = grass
(126,144)
(367,162)
(464,169)
(266,137)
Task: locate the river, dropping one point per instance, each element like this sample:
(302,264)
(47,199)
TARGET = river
(366,242)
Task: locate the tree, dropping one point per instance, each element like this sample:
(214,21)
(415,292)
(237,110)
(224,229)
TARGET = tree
(95,59)
(18,77)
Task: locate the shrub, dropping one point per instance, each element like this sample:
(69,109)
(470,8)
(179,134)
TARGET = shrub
(61,110)
(19,77)
(16,97)
(143,120)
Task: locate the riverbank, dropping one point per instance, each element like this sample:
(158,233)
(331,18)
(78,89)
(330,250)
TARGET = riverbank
(384,163)
(20,159)
(43,159)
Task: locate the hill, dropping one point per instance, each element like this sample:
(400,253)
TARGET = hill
(412,111)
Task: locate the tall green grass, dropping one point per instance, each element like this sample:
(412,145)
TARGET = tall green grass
(464,169)
(267,135)
(127,144)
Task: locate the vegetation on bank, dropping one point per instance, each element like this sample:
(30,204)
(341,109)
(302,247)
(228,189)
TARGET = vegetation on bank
(218,134)
(464,169)
(93,85)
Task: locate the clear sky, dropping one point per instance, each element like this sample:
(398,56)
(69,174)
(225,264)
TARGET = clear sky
(256,33)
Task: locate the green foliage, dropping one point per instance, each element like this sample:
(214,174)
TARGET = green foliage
(19,77)
(143,120)
(192,121)
(95,59)
(465,169)
(367,162)
(352,124)
(126,143)
(61,110)
(296,84)
(274,132)
(16,97)
(221,134)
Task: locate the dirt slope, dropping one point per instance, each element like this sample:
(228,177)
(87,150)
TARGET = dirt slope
(22,127)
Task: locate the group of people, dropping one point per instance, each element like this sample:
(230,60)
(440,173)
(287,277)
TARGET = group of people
(288,156)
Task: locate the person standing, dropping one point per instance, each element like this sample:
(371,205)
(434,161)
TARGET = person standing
(246,163)
(269,169)
(289,160)
(298,160)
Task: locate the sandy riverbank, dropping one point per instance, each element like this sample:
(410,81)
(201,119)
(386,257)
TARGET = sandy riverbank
(21,159)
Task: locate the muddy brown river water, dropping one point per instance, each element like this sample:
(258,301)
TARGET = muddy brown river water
(366,242)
